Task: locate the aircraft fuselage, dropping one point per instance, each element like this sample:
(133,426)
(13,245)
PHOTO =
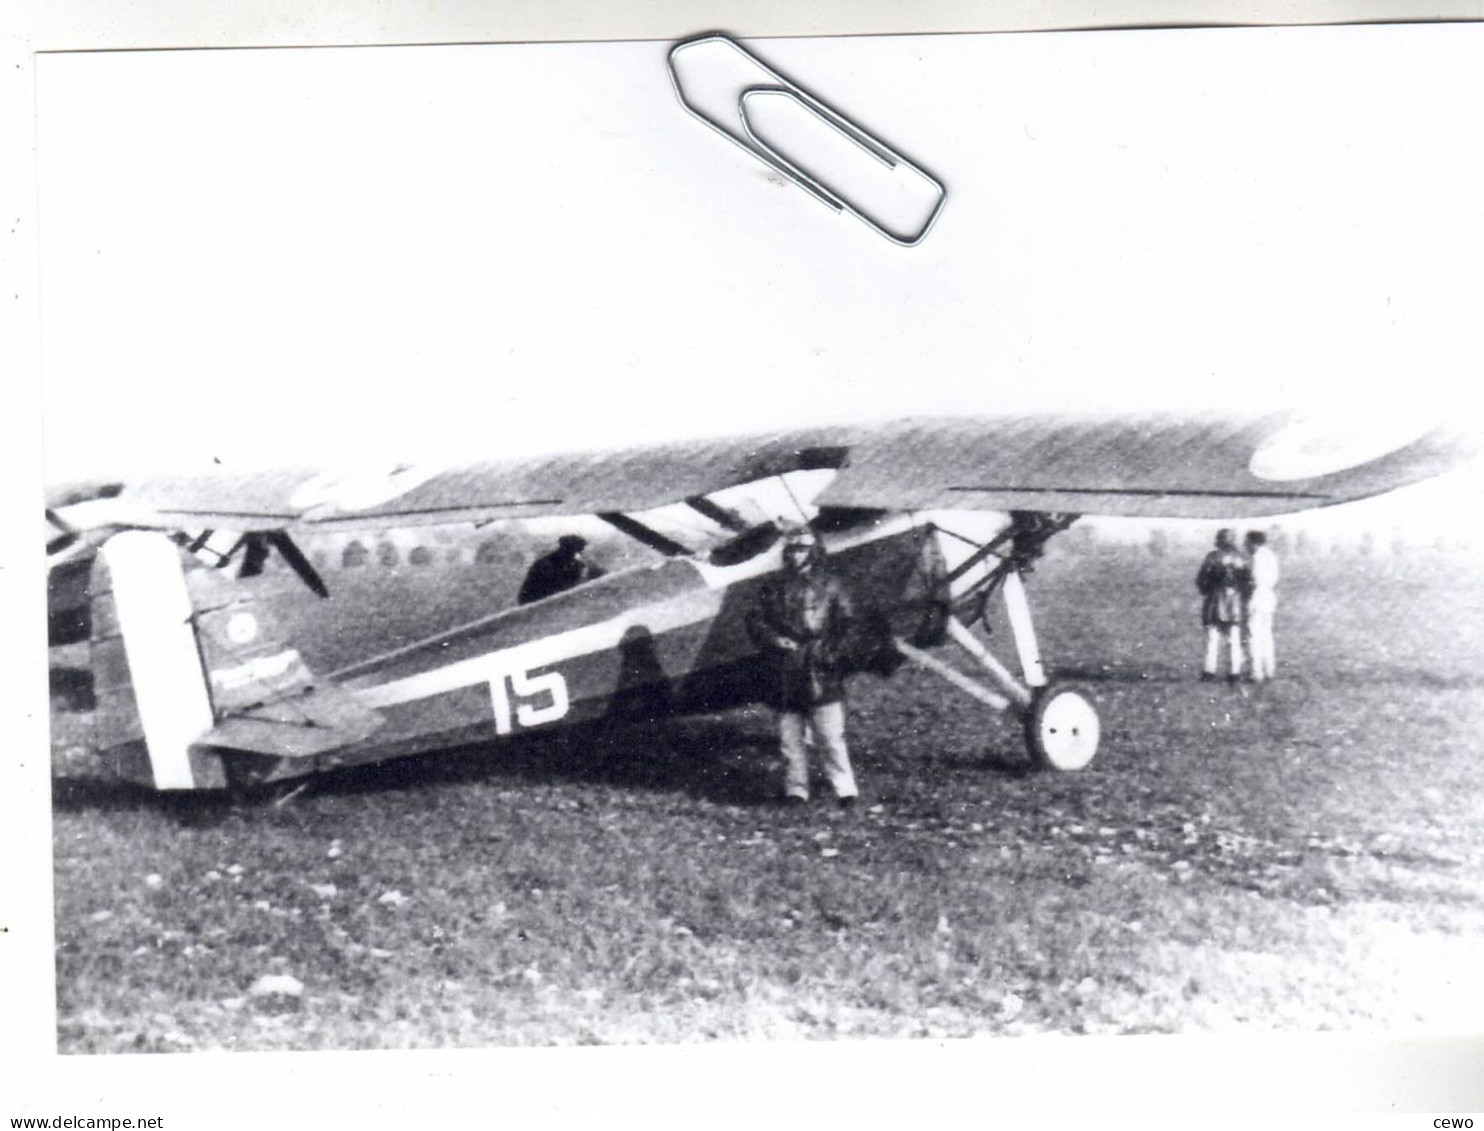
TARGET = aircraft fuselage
(646,642)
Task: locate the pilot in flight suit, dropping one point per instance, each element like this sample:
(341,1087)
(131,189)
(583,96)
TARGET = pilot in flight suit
(802,622)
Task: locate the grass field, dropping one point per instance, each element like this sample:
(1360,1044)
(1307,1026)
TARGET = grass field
(1306,856)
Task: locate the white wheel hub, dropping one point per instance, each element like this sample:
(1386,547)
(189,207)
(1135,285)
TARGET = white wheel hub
(1065,730)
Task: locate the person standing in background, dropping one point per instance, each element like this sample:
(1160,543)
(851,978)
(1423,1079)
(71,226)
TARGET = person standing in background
(1222,580)
(1262,603)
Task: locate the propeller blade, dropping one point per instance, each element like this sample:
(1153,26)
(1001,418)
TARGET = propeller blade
(67,534)
(301,565)
(62,542)
(254,554)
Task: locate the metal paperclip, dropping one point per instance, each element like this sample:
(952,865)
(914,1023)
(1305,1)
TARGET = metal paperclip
(748,139)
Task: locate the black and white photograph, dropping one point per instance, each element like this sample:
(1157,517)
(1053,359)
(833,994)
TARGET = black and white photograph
(959,545)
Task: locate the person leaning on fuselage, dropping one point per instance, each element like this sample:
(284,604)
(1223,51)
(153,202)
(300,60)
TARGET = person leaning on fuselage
(1222,580)
(562,569)
(802,622)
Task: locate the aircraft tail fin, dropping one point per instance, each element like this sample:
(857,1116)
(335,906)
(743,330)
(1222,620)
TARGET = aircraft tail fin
(191,667)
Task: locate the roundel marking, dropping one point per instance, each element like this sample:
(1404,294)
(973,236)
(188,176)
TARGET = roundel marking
(360,490)
(242,628)
(1310,447)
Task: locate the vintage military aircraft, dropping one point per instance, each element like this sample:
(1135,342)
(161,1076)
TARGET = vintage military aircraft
(198,683)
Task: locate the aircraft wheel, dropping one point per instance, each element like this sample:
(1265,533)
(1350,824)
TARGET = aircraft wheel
(1062,728)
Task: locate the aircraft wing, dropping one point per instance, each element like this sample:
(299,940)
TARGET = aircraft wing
(623,480)
(1210,467)
(1205,467)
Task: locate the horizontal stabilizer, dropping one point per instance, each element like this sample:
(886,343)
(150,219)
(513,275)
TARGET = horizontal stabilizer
(322,719)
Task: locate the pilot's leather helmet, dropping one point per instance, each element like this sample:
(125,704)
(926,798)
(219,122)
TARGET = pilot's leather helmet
(802,536)
(572,543)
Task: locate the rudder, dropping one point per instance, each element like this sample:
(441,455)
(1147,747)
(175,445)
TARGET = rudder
(149,682)
(196,685)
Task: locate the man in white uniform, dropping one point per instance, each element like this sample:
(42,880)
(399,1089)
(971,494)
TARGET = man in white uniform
(1262,603)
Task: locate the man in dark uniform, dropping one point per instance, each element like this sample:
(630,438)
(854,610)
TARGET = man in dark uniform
(802,623)
(1222,581)
(562,569)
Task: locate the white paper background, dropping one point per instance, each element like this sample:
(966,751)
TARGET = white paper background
(281,254)
(311,254)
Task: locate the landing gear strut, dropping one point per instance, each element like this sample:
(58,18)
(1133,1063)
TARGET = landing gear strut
(1061,724)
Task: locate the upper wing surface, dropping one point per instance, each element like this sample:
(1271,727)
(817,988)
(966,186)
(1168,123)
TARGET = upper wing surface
(621,480)
(1139,466)
(1205,467)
